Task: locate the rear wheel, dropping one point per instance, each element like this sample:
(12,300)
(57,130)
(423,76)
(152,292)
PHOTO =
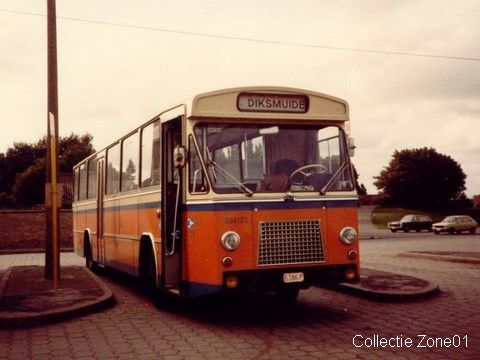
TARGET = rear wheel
(89,262)
(472,230)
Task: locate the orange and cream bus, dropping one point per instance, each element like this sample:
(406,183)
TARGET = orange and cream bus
(245,188)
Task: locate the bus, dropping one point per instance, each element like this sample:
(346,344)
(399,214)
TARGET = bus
(239,189)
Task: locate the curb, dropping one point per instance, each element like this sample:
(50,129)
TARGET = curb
(30,251)
(9,320)
(418,289)
(456,259)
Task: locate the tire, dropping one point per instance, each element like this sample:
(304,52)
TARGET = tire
(148,271)
(89,262)
(472,230)
(451,231)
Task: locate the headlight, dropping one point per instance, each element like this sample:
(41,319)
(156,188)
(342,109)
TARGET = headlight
(230,240)
(348,235)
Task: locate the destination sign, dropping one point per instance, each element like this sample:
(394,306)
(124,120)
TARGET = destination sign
(258,102)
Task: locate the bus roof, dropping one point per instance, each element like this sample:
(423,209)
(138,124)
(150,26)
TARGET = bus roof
(269,102)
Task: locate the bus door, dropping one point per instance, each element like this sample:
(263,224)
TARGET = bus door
(171,204)
(100,211)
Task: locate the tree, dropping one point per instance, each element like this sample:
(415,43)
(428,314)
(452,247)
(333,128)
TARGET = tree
(73,149)
(16,160)
(29,185)
(361,189)
(421,178)
(23,168)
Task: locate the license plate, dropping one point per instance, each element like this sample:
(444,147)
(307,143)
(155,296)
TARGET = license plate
(293,277)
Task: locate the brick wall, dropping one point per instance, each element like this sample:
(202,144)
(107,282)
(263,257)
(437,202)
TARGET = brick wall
(25,229)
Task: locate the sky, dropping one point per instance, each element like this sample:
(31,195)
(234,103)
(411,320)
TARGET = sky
(409,69)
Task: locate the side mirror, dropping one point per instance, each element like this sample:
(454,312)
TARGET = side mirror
(179,156)
(351,147)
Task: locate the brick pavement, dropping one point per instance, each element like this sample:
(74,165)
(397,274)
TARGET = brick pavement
(322,324)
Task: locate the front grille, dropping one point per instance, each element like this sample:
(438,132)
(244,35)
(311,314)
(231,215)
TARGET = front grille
(290,242)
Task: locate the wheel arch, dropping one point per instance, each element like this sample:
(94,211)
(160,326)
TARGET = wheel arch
(87,241)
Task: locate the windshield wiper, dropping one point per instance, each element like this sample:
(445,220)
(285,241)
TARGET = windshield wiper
(333,179)
(225,175)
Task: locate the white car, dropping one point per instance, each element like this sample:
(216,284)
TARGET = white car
(455,224)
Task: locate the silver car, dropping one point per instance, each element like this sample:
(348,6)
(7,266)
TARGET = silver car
(455,224)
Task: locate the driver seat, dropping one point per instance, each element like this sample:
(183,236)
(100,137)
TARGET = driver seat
(285,166)
(278,180)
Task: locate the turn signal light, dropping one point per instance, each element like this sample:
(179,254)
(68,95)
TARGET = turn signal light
(350,274)
(231,282)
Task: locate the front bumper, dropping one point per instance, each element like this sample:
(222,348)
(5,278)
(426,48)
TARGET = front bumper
(273,279)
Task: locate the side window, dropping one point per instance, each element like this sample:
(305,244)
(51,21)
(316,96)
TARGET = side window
(197,183)
(82,191)
(92,178)
(130,159)
(77,184)
(329,148)
(113,170)
(150,170)
(333,157)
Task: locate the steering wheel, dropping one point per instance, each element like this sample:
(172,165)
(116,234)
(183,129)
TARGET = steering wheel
(305,171)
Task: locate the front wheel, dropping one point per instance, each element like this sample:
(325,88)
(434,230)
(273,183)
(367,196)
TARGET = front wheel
(148,271)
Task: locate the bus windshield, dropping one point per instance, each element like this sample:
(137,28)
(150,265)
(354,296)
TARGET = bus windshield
(272,158)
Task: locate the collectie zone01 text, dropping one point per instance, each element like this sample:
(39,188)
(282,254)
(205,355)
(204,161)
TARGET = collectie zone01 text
(422,341)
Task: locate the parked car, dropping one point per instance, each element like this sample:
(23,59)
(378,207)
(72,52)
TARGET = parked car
(411,222)
(455,224)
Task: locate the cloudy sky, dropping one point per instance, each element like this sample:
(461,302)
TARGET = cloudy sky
(410,70)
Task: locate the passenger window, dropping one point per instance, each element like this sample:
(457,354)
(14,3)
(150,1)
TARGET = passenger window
(150,172)
(113,170)
(92,178)
(82,193)
(77,184)
(130,163)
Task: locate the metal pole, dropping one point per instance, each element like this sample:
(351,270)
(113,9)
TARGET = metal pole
(52,253)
